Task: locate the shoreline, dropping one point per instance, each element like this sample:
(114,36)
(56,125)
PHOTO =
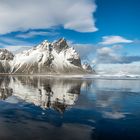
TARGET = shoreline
(81,76)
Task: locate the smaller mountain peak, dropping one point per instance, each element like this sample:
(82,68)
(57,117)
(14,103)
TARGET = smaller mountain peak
(87,67)
(45,44)
(61,39)
(45,41)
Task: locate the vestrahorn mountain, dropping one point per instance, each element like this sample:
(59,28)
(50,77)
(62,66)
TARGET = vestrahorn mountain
(45,58)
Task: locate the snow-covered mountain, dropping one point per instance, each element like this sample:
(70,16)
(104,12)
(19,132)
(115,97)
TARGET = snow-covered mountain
(56,57)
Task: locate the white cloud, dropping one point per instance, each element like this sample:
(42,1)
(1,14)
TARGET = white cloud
(13,44)
(107,55)
(17,49)
(109,60)
(35,33)
(11,41)
(17,15)
(113,55)
(85,50)
(104,50)
(108,40)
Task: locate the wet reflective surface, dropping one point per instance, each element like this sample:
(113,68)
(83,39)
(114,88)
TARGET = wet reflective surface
(42,108)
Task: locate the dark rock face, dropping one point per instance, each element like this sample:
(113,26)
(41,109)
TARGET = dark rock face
(76,62)
(6,55)
(59,45)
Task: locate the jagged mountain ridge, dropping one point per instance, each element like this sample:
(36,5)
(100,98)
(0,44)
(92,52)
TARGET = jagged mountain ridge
(45,58)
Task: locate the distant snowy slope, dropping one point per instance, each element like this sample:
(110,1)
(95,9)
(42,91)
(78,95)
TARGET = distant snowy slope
(118,69)
(20,50)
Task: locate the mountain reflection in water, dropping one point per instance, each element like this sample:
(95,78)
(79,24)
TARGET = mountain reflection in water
(46,93)
(40,108)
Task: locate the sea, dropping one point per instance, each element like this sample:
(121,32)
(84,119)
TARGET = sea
(69,108)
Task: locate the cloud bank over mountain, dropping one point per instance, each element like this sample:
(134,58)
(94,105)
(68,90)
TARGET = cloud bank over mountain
(18,15)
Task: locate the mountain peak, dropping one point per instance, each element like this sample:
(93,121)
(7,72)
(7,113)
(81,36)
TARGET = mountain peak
(60,44)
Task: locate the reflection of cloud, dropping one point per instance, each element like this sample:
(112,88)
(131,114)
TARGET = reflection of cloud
(104,99)
(110,87)
(114,115)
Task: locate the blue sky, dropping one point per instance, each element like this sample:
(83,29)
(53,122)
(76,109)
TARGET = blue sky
(103,31)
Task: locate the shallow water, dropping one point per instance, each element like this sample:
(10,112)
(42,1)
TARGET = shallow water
(43,108)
